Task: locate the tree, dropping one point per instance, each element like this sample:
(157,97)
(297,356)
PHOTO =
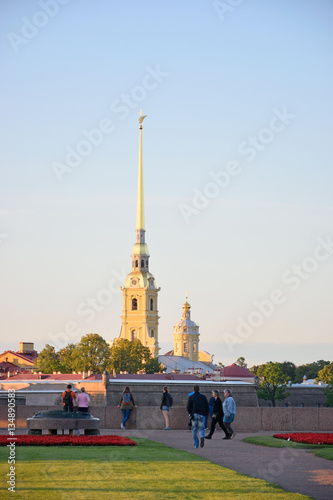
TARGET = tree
(254,369)
(220,365)
(120,355)
(329,394)
(154,366)
(326,374)
(310,370)
(132,357)
(48,360)
(241,362)
(91,353)
(68,358)
(289,369)
(272,382)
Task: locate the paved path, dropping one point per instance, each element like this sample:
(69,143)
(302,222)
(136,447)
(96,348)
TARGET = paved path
(293,469)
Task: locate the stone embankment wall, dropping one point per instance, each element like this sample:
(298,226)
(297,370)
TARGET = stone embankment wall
(108,393)
(150,417)
(307,395)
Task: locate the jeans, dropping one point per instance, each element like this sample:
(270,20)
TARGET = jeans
(198,421)
(126,414)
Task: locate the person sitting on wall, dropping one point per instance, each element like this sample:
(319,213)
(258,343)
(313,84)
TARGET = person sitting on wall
(68,398)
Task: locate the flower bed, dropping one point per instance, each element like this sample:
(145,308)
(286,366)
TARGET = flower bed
(307,437)
(66,440)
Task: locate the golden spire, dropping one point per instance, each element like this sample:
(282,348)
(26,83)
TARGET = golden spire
(186,305)
(140,213)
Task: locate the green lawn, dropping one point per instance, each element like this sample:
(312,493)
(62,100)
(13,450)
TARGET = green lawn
(147,471)
(321,450)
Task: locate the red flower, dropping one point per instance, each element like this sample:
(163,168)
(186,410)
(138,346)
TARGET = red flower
(307,437)
(66,440)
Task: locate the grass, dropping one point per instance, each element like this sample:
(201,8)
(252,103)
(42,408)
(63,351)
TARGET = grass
(326,452)
(320,450)
(147,471)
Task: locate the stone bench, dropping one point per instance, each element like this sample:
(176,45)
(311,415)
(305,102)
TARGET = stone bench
(55,420)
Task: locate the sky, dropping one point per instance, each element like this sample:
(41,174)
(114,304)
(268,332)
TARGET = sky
(237,166)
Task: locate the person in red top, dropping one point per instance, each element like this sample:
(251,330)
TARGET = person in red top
(68,398)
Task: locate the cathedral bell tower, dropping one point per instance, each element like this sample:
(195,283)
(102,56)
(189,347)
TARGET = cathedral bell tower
(139,319)
(186,335)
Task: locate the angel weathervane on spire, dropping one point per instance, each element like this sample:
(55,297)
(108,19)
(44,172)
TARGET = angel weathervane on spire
(142,117)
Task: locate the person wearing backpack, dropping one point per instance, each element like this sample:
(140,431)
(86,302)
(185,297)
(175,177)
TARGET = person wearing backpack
(68,398)
(166,403)
(126,404)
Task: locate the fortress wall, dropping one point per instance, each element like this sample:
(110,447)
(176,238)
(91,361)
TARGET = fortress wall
(308,395)
(249,419)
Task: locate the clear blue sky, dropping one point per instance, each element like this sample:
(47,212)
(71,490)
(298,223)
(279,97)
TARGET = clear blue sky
(246,91)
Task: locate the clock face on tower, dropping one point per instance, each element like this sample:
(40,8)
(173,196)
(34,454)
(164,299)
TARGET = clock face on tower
(134,282)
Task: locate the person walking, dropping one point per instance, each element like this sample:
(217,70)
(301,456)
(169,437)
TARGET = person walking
(197,408)
(217,416)
(83,401)
(229,409)
(68,398)
(211,403)
(166,404)
(126,405)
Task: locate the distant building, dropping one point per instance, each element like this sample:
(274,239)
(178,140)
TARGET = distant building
(185,356)
(235,372)
(186,336)
(23,360)
(180,364)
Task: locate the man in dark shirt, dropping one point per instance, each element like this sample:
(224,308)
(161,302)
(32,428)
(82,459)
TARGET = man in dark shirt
(197,407)
(217,417)
(68,398)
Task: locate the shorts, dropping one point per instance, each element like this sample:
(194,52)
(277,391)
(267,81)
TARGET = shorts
(229,419)
(165,408)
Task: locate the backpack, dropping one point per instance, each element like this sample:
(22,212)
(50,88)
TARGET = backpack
(169,400)
(68,398)
(126,398)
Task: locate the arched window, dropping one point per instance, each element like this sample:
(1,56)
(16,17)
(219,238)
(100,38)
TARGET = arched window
(152,333)
(147,263)
(136,263)
(142,263)
(151,304)
(134,335)
(134,304)
(185,347)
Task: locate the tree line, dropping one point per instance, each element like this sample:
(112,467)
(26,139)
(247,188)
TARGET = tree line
(274,378)
(94,353)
